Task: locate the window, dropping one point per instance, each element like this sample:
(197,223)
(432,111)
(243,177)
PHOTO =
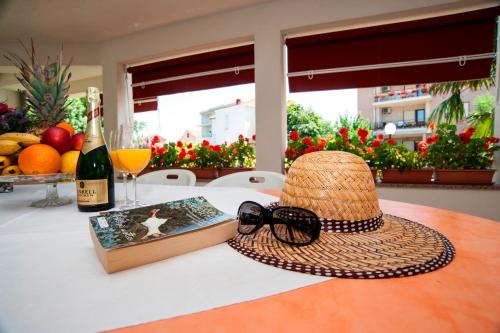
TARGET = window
(195,94)
(420,117)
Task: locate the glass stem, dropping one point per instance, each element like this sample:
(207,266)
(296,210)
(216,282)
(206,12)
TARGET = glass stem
(52,192)
(134,179)
(126,200)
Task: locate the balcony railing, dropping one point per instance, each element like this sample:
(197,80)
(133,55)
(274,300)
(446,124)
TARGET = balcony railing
(401,124)
(401,94)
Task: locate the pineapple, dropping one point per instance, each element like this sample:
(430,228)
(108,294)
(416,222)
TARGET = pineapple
(47,88)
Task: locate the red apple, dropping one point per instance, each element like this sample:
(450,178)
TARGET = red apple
(77,141)
(58,138)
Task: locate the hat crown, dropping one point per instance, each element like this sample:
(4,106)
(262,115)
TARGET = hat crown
(335,185)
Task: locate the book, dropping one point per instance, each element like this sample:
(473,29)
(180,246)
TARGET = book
(134,237)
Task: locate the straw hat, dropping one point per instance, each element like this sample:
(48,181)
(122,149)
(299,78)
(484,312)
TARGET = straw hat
(357,240)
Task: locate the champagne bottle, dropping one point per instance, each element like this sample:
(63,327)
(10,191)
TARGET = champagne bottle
(95,188)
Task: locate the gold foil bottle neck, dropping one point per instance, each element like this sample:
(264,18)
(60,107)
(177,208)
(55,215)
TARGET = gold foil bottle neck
(93,95)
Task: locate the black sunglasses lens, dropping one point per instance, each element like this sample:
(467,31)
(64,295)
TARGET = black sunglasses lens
(295,225)
(250,218)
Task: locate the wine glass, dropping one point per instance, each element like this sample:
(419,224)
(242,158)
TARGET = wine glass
(114,145)
(133,155)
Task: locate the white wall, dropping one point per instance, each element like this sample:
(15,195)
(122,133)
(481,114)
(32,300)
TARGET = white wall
(265,24)
(240,120)
(483,203)
(11,98)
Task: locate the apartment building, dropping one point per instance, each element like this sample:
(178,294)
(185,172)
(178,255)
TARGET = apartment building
(409,108)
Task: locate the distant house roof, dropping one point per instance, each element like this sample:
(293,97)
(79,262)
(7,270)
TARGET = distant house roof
(250,103)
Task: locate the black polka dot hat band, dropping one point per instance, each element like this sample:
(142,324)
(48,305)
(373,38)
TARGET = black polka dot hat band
(357,240)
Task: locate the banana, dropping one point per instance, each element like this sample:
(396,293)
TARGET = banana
(12,170)
(8,147)
(4,162)
(25,139)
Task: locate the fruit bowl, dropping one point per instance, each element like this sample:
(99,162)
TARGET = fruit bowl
(52,198)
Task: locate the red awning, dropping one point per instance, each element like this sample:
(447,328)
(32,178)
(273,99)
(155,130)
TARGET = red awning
(352,58)
(209,70)
(146,105)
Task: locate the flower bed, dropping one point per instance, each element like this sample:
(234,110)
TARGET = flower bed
(443,150)
(207,161)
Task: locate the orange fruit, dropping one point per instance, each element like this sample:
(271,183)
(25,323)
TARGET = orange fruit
(69,160)
(39,159)
(67,127)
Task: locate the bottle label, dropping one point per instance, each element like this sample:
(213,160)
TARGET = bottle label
(92,142)
(91,192)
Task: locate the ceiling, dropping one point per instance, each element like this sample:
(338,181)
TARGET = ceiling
(90,21)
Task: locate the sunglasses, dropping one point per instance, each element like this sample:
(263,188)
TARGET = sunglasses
(291,225)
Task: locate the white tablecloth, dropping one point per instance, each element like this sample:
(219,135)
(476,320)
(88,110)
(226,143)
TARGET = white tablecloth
(52,281)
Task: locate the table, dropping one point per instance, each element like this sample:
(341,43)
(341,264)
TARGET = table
(52,281)
(462,297)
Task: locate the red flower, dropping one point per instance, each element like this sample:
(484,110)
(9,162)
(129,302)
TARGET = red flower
(432,139)
(362,133)
(247,139)
(180,144)
(240,136)
(217,149)
(391,142)
(205,143)
(3,107)
(343,132)
(464,137)
(376,143)
(470,131)
(182,154)
(321,144)
(155,139)
(380,136)
(161,150)
(294,135)
(307,141)
(190,145)
(254,137)
(162,161)
(290,152)
(310,149)
(423,145)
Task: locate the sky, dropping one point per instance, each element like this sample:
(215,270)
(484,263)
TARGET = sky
(179,112)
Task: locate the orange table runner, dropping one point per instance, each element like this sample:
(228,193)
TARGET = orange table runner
(461,297)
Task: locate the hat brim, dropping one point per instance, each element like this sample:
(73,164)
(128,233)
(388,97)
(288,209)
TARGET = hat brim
(399,248)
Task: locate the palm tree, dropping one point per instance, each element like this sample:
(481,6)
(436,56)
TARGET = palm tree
(451,109)
(482,119)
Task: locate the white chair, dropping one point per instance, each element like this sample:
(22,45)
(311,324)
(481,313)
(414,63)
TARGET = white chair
(168,177)
(253,179)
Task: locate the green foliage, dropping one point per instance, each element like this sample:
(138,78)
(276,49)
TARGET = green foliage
(482,119)
(240,153)
(398,157)
(76,110)
(139,126)
(452,151)
(307,122)
(353,123)
(451,109)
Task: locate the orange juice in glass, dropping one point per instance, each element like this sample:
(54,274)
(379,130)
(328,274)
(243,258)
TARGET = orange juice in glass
(133,161)
(134,153)
(116,162)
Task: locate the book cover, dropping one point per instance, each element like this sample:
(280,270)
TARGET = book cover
(119,229)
